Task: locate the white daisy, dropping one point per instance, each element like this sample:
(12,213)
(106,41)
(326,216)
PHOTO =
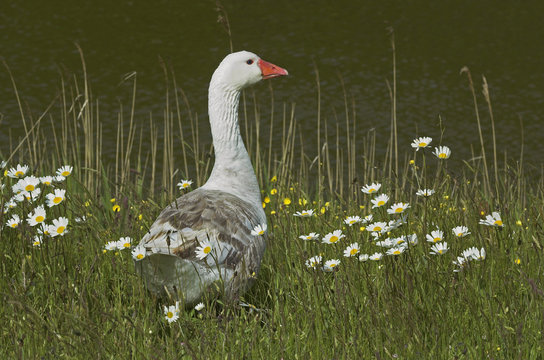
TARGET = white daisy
(387,243)
(421,142)
(364,257)
(37,241)
(439,248)
(28,184)
(203,250)
(314,261)
(460,231)
(14,221)
(350,220)
(111,245)
(304,213)
(330,265)
(379,200)
(199,306)
(435,236)
(474,254)
(376,256)
(442,152)
(11,204)
(398,208)
(3,164)
(259,230)
(18,172)
(367,219)
(351,250)
(56,197)
(377,227)
(138,253)
(65,171)
(171,313)
(369,189)
(184,184)
(411,239)
(59,178)
(59,226)
(397,250)
(46,180)
(32,195)
(310,236)
(80,219)
(36,217)
(492,220)
(425,192)
(333,237)
(124,243)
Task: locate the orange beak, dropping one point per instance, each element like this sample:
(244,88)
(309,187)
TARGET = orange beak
(270,70)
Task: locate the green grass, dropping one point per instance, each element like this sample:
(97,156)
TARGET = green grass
(70,299)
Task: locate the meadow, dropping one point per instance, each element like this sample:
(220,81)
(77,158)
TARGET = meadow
(389,286)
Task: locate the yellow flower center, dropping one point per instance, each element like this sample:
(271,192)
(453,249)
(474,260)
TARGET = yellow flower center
(57,199)
(422,144)
(207,249)
(170,314)
(398,210)
(332,265)
(14,225)
(351,222)
(353,251)
(36,243)
(442,155)
(437,239)
(29,187)
(39,218)
(460,234)
(333,239)
(396,252)
(47,182)
(440,251)
(127,245)
(65,173)
(377,228)
(140,256)
(498,222)
(381,202)
(371,190)
(60,229)
(19,173)
(185,185)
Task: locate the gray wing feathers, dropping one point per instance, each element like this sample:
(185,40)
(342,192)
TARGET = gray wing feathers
(205,215)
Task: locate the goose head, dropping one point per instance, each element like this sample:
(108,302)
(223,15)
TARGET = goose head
(243,68)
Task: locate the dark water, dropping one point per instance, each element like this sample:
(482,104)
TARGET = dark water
(347,39)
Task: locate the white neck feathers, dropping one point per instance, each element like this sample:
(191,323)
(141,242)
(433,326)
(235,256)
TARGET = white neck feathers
(232,171)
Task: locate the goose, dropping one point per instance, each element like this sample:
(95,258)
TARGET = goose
(222,213)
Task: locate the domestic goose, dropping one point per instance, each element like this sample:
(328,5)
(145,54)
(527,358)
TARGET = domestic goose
(223,212)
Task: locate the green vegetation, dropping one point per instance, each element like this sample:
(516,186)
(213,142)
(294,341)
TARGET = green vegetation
(70,298)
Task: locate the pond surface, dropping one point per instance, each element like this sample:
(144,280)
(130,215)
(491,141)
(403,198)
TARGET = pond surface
(346,40)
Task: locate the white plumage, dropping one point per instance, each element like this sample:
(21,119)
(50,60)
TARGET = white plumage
(222,212)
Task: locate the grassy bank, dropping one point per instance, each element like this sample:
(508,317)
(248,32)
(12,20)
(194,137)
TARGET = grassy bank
(69,297)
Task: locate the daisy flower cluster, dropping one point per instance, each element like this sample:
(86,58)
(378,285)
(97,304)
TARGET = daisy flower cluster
(384,232)
(36,202)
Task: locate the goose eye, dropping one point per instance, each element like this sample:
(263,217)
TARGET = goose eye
(249,62)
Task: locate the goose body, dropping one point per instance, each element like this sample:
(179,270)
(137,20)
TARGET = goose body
(222,212)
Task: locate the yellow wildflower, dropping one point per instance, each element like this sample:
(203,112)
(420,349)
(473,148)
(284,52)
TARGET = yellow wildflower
(286,201)
(116,208)
(273,191)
